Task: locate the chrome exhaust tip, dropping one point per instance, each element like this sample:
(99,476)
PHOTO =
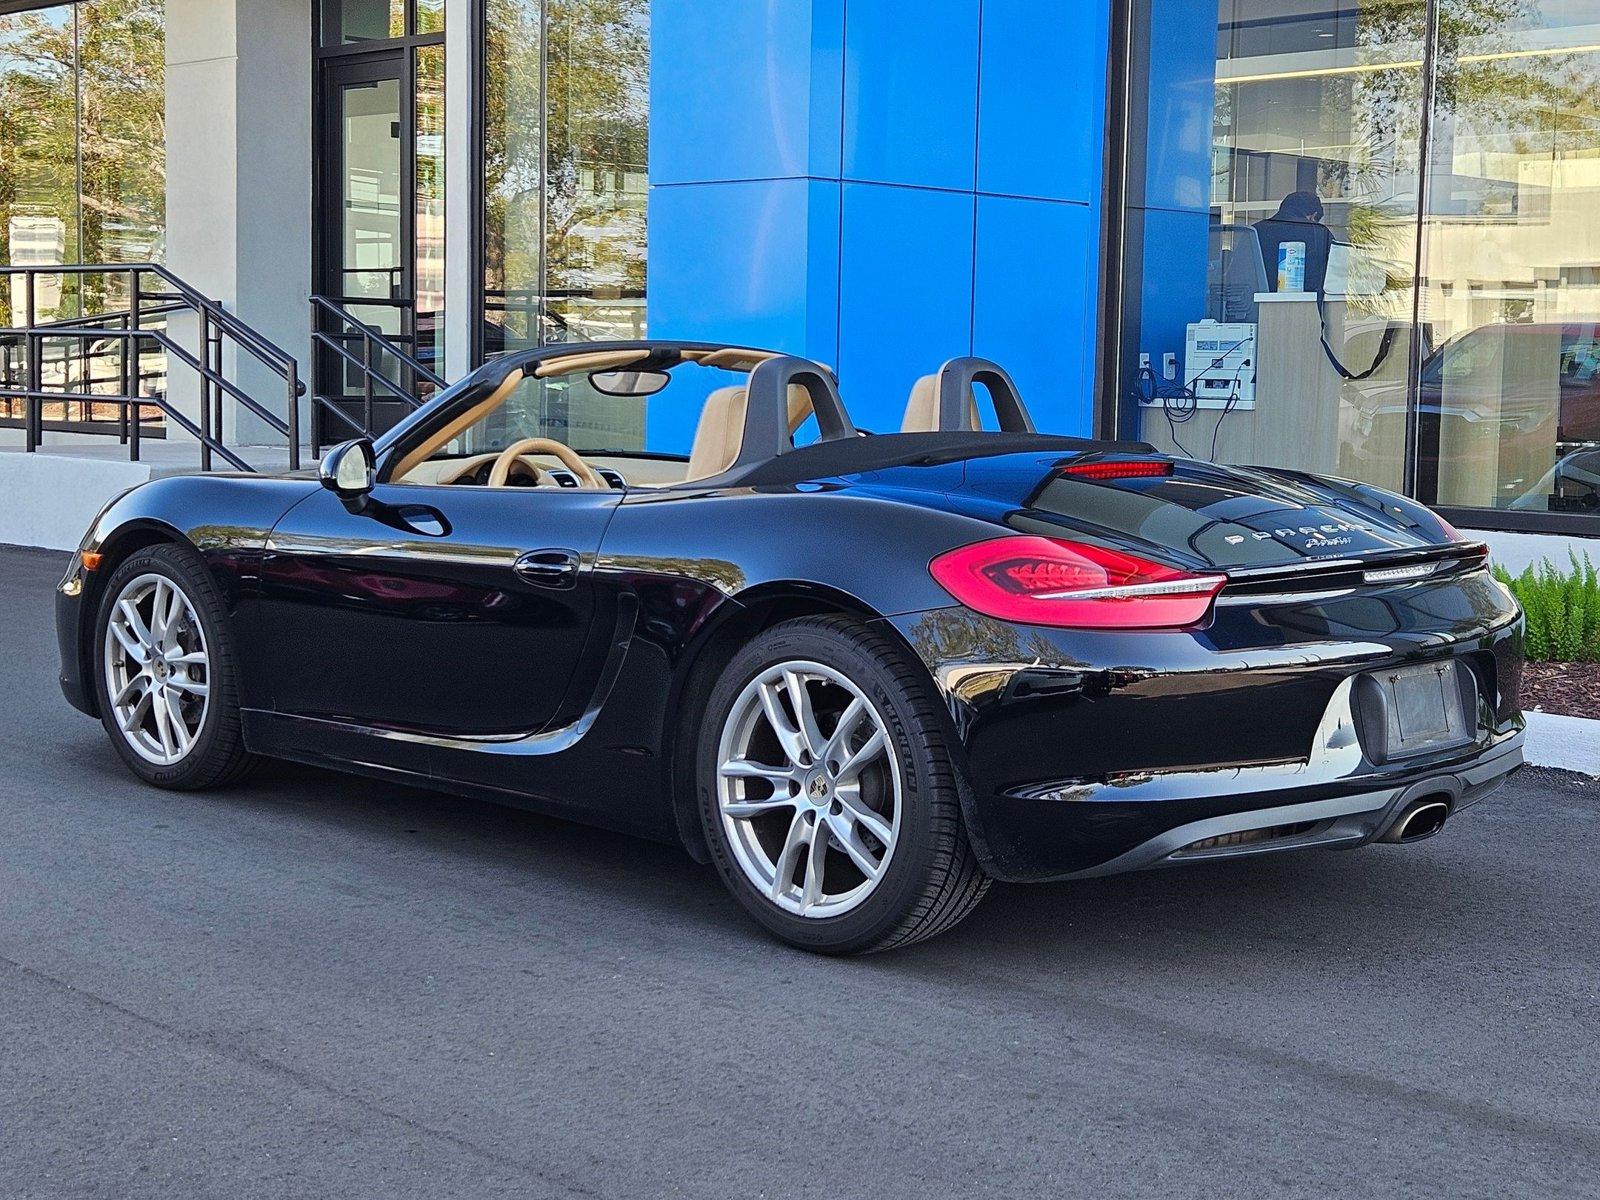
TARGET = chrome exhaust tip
(1423,819)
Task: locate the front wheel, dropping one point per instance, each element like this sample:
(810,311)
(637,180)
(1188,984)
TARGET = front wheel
(827,793)
(165,672)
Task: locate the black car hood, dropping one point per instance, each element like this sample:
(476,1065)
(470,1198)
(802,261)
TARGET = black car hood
(1199,515)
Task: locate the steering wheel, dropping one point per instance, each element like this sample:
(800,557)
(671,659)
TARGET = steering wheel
(568,456)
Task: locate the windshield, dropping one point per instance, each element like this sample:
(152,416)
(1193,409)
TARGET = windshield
(570,409)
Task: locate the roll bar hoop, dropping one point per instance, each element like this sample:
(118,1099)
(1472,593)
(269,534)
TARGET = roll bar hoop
(766,418)
(957,379)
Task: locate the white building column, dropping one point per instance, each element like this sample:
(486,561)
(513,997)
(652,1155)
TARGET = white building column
(461,134)
(239,162)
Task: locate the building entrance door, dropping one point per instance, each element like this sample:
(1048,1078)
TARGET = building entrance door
(381,228)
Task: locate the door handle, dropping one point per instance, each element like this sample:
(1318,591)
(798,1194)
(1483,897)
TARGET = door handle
(419,518)
(548,568)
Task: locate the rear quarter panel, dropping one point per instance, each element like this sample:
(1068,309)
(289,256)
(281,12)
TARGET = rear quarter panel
(871,546)
(692,562)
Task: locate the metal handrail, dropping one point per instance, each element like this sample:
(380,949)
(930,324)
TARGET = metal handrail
(88,359)
(373,343)
(149,310)
(132,374)
(386,343)
(204,435)
(216,326)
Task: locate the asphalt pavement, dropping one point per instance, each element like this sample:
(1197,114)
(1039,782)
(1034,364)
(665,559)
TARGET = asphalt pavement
(312,985)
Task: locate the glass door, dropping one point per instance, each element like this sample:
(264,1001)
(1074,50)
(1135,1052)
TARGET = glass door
(382,225)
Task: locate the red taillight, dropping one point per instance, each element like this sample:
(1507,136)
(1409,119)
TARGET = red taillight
(1049,581)
(1133,469)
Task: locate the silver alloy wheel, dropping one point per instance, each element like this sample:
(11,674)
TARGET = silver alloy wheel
(158,675)
(809,789)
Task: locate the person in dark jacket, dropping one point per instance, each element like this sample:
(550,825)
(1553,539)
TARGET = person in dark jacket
(1298,219)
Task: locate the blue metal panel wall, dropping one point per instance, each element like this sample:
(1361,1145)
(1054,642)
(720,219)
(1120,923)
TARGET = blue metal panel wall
(745,89)
(905,294)
(1038,276)
(1042,119)
(911,92)
(959,145)
(754,262)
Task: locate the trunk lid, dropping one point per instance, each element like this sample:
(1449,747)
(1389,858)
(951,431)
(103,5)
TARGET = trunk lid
(1242,520)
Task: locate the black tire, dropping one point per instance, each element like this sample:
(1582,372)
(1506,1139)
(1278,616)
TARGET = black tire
(933,879)
(217,755)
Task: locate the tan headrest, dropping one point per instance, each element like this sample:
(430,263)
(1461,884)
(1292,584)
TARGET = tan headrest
(720,435)
(922,411)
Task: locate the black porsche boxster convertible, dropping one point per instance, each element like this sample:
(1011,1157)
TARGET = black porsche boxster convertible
(861,674)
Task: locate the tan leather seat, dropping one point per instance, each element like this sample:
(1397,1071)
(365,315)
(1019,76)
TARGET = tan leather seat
(720,434)
(922,411)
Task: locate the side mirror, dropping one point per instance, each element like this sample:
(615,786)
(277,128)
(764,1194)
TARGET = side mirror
(348,469)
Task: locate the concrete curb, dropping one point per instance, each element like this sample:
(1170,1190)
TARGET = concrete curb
(1570,743)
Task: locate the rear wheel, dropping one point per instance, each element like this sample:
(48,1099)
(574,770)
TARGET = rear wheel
(165,672)
(827,793)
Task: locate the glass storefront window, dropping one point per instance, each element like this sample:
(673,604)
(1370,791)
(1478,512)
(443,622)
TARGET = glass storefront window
(122,99)
(513,163)
(1508,402)
(82,178)
(1430,326)
(429,223)
(1279,201)
(566,115)
(347,21)
(430,16)
(597,59)
(38,156)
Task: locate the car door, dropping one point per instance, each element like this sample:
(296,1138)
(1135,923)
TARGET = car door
(444,612)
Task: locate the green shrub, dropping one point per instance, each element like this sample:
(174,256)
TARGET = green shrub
(1563,610)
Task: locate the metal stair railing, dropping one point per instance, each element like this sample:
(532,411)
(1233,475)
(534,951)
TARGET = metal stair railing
(218,328)
(87,359)
(334,328)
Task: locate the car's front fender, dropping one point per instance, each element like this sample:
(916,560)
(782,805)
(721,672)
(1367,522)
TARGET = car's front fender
(225,518)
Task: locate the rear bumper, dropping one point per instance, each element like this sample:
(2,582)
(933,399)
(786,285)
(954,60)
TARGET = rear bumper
(1089,754)
(1080,830)
(1337,822)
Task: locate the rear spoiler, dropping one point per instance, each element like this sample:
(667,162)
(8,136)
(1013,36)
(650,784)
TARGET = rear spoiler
(1393,566)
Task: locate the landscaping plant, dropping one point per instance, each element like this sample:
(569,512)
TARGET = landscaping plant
(1563,609)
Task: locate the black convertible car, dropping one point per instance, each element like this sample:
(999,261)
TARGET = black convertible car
(862,674)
